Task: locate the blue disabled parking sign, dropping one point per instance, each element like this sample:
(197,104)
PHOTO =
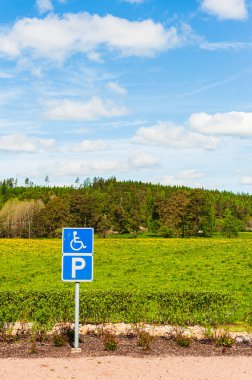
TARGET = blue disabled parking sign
(77,265)
(77,254)
(77,268)
(77,240)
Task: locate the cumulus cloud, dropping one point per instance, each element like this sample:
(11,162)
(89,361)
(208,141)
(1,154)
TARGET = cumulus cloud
(93,109)
(55,37)
(171,180)
(94,56)
(247,180)
(190,174)
(99,166)
(229,123)
(83,168)
(170,135)
(115,87)
(44,5)
(143,160)
(90,146)
(18,143)
(225,9)
(183,178)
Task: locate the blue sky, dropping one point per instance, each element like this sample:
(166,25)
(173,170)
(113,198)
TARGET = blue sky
(156,91)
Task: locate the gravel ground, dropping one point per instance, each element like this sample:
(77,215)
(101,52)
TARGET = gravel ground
(26,359)
(128,368)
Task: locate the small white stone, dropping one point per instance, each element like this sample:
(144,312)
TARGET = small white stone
(242,339)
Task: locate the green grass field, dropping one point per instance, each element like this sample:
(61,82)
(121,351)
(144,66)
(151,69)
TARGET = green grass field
(218,265)
(129,264)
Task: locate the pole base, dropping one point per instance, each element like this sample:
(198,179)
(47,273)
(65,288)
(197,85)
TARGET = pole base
(76,350)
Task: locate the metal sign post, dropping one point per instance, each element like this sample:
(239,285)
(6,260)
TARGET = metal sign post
(77,265)
(76,319)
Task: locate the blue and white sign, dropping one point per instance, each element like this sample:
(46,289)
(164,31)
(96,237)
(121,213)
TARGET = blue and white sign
(77,254)
(77,268)
(77,265)
(77,240)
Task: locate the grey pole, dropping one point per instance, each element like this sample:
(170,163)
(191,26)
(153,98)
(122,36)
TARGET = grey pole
(76,331)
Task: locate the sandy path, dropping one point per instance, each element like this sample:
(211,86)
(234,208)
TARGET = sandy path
(125,368)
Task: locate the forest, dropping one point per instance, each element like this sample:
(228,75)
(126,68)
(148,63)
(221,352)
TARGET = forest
(121,207)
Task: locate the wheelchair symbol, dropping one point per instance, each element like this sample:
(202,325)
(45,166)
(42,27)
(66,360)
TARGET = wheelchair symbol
(76,244)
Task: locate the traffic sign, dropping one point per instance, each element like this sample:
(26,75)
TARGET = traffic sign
(77,264)
(77,240)
(77,268)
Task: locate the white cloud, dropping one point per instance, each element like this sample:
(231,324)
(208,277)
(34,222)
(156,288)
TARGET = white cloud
(115,87)
(90,146)
(44,5)
(134,1)
(83,168)
(230,123)
(170,135)
(246,180)
(4,75)
(190,174)
(94,56)
(55,37)
(10,95)
(94,109)
(101,165)
(225,45)
(171,180)
(12,124)
(226,9)
(37,72)
(143,160)
(183,178)
(8,46)
(189,37)
(18,143)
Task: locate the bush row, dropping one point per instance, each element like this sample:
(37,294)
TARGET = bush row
(114,306)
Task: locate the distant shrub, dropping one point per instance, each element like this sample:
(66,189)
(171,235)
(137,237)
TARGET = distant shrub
(165,232)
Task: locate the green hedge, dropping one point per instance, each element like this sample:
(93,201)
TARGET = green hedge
(114,306)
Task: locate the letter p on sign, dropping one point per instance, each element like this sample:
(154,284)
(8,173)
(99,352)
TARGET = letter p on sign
(78,263)
(77,268)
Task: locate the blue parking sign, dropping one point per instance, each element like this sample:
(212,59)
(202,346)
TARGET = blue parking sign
(77,240)
(77,268)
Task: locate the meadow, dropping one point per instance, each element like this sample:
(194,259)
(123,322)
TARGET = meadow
(147,265)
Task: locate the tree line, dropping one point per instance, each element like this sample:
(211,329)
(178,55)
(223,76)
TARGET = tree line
(112,206)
